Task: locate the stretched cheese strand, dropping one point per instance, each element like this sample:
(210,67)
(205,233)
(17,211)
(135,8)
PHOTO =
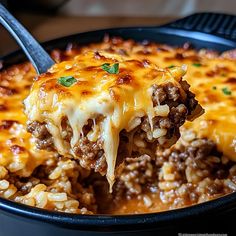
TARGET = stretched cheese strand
(118,104)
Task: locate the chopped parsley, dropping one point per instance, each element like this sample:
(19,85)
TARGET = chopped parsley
(66,81)
(214,87)
(171,66)
(111,69)
(197,64)
(226,91)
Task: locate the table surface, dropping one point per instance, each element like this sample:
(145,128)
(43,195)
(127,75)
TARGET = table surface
(45,27)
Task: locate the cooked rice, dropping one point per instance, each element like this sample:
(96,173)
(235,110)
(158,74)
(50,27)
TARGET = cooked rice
(191,172)
(175,178)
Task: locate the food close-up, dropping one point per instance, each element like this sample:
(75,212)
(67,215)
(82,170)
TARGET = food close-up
(118,123)
(84,118)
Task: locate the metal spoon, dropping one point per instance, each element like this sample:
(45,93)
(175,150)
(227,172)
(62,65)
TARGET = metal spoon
(36,54)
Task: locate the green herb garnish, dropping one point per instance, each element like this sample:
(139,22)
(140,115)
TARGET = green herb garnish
(226,91)
(214,87)
(66,81)
(171,66)
(111,69)
(197,64)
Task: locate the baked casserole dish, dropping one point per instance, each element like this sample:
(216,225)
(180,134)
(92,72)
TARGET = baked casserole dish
(119,127)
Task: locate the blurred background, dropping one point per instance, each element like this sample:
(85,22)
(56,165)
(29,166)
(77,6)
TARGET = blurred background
(47,19)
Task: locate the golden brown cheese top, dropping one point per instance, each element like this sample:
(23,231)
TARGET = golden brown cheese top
(17,150)
(118,97)
(211,76)
(213,80)
(215,88)
(214,73)
(91,80)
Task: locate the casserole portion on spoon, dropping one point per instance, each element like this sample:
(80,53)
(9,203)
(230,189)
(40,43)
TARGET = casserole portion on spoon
(100,108)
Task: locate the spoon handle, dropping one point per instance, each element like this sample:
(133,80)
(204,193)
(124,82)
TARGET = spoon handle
(36,54)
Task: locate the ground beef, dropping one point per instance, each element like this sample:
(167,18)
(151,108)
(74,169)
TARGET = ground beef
(138,174)
(214,188)
(191,102)
(200,148)
(38,129)
(174,175)
(172,91)
(165,123)
(178,115)
(91,154)
(191,172)
(158,95)
(40,132)
(170,94)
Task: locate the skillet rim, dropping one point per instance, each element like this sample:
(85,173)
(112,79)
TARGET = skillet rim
(100,222)
(152,220)
(159,29)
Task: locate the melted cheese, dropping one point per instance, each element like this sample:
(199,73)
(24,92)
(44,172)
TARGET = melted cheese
(17,148)
(118,98)
(218,123)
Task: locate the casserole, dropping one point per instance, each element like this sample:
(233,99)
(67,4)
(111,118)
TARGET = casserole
(151,220)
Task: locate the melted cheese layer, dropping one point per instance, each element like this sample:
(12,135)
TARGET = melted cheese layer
(17,148)
(118,98)
(208,74)
(219,121)
(208,81)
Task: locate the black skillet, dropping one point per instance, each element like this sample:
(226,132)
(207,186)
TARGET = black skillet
(205,30)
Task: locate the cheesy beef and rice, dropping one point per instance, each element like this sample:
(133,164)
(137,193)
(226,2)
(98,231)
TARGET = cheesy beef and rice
(105,114)
(199,167)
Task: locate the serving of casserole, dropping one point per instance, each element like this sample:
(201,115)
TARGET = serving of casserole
(115,128)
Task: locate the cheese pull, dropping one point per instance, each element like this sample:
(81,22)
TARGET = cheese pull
(100,108)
